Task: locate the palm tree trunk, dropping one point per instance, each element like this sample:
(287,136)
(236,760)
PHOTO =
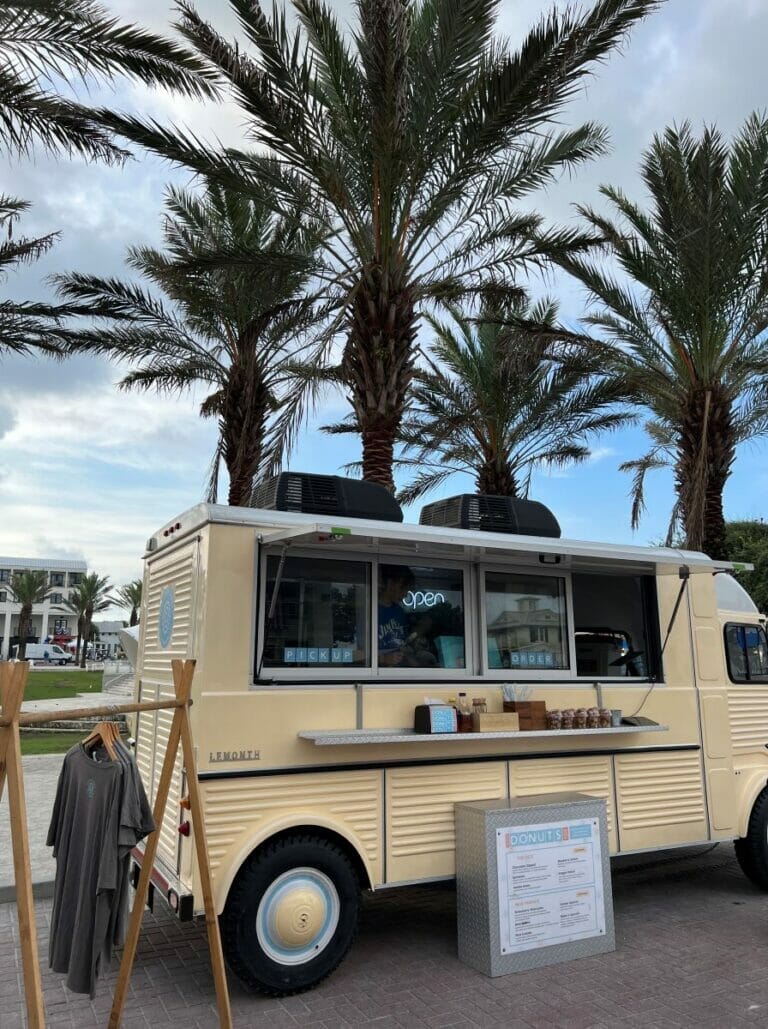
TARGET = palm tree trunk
(706,454)
(134,619)
(243,423)
(86,634)
(495,478)
(25,619)
(378,366)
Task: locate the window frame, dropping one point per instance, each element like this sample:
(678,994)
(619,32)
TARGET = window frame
(475,625)
(408,674)
(651,623)
(373,672)
(555,676)
(317,672)
(760,680)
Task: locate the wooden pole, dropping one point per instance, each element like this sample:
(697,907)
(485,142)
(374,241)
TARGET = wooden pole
(203,862)
(140,899)
(13,679)
(70,714)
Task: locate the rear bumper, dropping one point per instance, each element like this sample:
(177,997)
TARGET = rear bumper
(162,880)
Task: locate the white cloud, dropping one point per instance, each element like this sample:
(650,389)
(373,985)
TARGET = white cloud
(94,473)
(597,454)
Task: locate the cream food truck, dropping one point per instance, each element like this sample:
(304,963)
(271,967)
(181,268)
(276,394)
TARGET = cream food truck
(318,621)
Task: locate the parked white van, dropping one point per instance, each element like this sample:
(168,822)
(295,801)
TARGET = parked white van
(51,652)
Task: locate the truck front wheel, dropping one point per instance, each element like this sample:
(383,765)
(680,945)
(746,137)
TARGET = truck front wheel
(291,914)
(752,849)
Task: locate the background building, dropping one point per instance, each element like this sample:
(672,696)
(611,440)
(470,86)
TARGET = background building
(107,643)
(50,620)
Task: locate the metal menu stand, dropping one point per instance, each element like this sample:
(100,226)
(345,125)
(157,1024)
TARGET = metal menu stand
(13,679)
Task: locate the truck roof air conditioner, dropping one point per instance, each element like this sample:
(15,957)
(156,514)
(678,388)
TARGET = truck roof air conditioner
(327,495)
(492,514)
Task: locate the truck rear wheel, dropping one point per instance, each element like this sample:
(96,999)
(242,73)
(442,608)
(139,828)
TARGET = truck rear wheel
(291,915)
(752,849)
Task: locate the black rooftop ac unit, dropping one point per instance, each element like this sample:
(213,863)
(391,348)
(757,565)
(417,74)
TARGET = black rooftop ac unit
(327,495)
(492,514)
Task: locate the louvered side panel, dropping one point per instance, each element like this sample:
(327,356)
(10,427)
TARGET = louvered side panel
(591,775)
(237,810)
(145,739)
(660,799)
(419,810)
(168,844)
(171,577)
(748,712)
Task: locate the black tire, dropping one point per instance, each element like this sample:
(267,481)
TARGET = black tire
(243,949)
(752,849)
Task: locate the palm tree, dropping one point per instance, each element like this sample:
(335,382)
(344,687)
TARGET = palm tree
(47,42)
(24,326)
(27,589)
(689,327)
(498,400)
(92,596)
(76,602)
(234,328)
(414,140)
(43,42)
(129,596)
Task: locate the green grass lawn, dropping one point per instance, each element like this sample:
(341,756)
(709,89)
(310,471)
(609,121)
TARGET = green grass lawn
(61,682)
(50,742)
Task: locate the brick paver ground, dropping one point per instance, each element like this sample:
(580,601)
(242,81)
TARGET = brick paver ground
(692,951)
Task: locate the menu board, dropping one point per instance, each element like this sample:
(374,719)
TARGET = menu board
(550,884)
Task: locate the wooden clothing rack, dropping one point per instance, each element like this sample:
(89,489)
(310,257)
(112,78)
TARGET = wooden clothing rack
(13,680)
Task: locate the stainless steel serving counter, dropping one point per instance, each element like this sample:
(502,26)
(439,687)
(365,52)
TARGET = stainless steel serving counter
(346,737)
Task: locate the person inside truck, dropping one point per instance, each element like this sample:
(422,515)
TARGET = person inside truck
(395,582)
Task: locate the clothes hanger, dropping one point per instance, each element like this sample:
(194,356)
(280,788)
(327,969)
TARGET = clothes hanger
(106,733)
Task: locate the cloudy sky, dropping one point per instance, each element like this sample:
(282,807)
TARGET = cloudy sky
(86,471)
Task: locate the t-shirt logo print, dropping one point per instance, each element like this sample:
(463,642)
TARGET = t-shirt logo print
(90,788)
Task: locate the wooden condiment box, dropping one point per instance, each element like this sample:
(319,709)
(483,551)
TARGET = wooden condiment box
(507,721)
(532,713)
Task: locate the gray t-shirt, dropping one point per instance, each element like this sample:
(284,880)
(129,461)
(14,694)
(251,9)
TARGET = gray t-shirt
(97,819)
(136,822)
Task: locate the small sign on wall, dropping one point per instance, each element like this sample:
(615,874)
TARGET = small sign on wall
(550,884)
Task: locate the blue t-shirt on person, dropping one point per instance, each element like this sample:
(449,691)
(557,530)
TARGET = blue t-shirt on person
(393,628)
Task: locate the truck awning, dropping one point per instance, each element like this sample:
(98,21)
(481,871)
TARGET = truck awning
(475,545)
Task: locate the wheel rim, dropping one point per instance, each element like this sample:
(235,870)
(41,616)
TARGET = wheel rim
(297,916)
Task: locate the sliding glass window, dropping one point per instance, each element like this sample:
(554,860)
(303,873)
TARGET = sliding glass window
(526,622)
(320,613)
(420,617)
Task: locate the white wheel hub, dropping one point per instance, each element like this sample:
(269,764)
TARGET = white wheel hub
(297,916)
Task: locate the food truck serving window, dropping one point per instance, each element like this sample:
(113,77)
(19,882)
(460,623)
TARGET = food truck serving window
(321,614)
(526,624)
(616,625)
(420,617)
(747,652)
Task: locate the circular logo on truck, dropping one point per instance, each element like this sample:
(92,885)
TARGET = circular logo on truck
(165,628)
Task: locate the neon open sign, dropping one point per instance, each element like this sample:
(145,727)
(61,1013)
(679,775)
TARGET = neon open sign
(422,598)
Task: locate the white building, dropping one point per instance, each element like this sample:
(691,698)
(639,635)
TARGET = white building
(49,619)
(107,643)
